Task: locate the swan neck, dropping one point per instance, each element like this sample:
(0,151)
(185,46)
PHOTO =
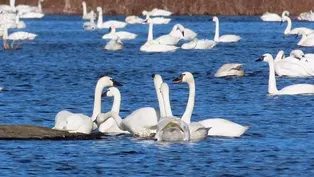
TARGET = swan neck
(302,39)
(12,3)
(150,32)
(97,100)
(5,33)
(167,104)
(289,24)
(100,20)
(84,9)
(160,100)
(216,38)
(116,103)
(190,106)
(272,88)
(39,6)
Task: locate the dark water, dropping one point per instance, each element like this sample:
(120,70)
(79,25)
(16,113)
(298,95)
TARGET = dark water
(60,68)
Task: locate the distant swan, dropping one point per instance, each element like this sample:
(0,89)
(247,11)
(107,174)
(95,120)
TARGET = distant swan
(87,16)
(159,20)
(91,25)
(224,38)
(289,90)
(107,24)
(27,8)
(199,44)
(218,126)
(134,20)
(289,31)
(157,12)
(114,44)
(188,33)
(306,40)
(272,17)
(152,45)
(230,69)
(80,123)
(16,36)
(121,34)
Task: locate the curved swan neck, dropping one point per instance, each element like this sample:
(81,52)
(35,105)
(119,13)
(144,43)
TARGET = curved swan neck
(116,103)
(190,106)
(97,100)
(302,39)
(289,24)
(272,88)
(216,38)
(150,36)
(17,19)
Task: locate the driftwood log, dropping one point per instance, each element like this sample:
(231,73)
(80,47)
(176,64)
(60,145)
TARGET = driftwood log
(30,132)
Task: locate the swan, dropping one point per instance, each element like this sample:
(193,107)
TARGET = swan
(157,12)
(114,44)
(224,38)
(121,34)
(170,128)
(79,123)
(218,126)
(26,8)
(292,66)
(8,8)
(32,15)
(289,90)
(91,24)
(309,16)
(230,69)
(306,40)
(288,30)
(188,33)
(168,39)
(272,17)
(199,44)
(153,45)
(87,16)
(107,24)
(16,36)
(141,122)
(134,20)
(159,20)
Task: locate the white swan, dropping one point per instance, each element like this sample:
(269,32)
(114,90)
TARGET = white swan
(91,25)
(87,16)
(27,8)
(293,66)
(199,44)
(272,17)
(107,24)
(114,44)
(16,36)
(159,20)
(169,39)
(306,40)
(121,34)
(289,90)
(134,20)
(188,33)
(153,45)
(8,8)
(289,31)
(170,128)
(224,38)
(309,16)
(32,15)
(157,12)
(230,69)
(71,122)
(218,126)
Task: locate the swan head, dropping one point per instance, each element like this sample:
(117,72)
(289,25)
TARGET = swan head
(99,9)
(157,80)
(298,54)
(184,77)
(112,91)
(148,20)
(144,12)
(266,58)
(84,3)
(215,19)
(285,13)
(107,81)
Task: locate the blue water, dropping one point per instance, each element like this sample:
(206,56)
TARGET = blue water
(60,68)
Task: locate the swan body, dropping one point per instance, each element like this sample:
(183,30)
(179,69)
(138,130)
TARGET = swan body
(216,127)
(306,40)
(272,17)
(188,33)
(169,39)
(87,16)
(289,90)
(134,20)
(308,16)
(32,15)
(80,123)
(26,8)
(159,20)
(199,44)
(107,24)
(289,31)
(152,45)
(114,44)
(224,38)
(157,12)
(121,34)
(230,69)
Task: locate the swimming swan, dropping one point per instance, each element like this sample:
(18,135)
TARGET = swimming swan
(91,25)
(201,44)
(87,16)
(73,123)
(159,20)
(218,126)
(178,29)
(19,36)
(224,38)
(107,24)
(121,34)
(272,17)
(134,20)
(27,8)
(306,40)
(288,30)
(157,12)
(289,90)
(230,69)
(114,44)
(152,45)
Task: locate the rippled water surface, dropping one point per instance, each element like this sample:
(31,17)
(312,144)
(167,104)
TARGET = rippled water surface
(60,68)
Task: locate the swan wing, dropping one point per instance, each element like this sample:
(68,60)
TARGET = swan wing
(229,69)
(117,24)
(298,89)
(229,38)
(189,45)
(205,44)
(167,40)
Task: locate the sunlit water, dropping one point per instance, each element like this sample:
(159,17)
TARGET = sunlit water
(60,68)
